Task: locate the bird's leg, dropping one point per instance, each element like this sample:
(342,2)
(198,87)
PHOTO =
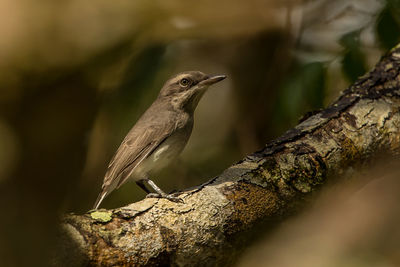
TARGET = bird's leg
(141,184)
(161,193)
(156,188)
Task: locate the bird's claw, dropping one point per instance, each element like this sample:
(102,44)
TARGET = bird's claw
(174,199)
(169,197)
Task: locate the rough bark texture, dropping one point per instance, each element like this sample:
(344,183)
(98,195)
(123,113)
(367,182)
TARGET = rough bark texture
(206,229)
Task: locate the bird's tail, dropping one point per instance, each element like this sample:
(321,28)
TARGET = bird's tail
(99,199)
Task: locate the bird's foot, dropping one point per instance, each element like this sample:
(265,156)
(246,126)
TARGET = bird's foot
(170,197)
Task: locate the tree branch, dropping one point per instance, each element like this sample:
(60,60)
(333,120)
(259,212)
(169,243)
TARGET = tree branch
(265,186)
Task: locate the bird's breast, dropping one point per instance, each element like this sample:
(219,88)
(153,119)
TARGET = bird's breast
(159,153)
(170,148)
(166,152)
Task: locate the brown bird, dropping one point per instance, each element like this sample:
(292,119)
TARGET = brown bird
(159,136)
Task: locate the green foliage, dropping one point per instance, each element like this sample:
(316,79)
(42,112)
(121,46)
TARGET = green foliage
(388,25)
(353,61)
(303,91)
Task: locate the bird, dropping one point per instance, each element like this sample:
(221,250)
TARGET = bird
(159,136)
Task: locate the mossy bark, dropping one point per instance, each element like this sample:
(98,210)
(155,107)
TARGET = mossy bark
(207,228)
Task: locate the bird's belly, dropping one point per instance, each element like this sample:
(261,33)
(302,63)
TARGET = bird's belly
(168,151)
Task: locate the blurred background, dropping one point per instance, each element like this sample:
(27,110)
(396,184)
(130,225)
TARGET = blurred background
(76,75)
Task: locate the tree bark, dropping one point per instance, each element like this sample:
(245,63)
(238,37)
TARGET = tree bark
(207,229)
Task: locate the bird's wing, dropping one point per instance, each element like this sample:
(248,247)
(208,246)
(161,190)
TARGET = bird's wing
(137,145)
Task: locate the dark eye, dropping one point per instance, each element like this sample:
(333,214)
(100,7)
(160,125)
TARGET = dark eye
(185,82)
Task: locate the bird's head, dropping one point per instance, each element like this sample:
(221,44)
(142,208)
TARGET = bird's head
(185,89)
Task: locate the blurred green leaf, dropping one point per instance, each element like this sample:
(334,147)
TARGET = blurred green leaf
(353,62)
(387,25)
(303,91)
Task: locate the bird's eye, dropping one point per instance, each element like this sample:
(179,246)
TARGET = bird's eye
(185,82)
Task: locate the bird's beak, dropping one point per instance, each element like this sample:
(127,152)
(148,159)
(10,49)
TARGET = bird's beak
(212,79)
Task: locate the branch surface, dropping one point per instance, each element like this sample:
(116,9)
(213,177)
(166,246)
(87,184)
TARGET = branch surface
(265,186)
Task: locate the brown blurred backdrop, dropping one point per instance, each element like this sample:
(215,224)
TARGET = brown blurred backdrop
(75,76)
